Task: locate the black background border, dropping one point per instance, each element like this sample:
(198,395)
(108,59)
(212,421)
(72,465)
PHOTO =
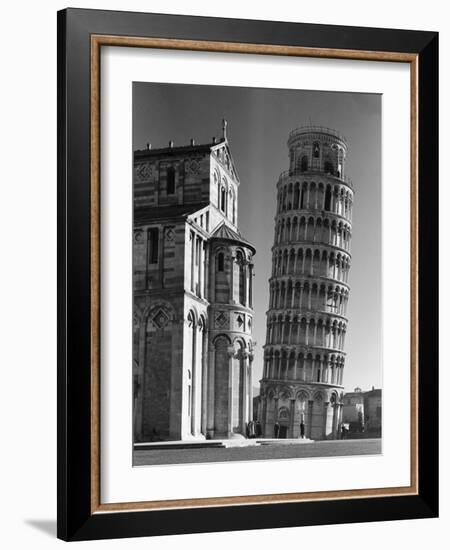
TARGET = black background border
(75,521)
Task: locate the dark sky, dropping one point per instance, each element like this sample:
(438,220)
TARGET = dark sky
(259,121)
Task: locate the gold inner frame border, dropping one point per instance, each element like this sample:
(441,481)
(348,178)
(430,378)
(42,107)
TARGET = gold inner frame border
(97,41)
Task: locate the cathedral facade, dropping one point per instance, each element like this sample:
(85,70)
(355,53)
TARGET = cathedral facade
(192,295)
(301,389)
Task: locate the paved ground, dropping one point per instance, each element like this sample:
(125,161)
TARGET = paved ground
(345,447)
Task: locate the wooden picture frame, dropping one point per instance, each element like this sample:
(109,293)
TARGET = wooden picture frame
(81,35)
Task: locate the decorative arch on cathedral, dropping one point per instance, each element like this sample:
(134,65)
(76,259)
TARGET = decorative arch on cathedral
(221,276)
(157,362)
(221,365)
(240,261)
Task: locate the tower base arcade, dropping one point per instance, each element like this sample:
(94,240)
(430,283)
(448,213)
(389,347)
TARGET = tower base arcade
(311,411)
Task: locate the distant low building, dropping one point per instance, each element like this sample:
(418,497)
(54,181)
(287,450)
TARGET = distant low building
(353,410)
(372,412)
(361,413)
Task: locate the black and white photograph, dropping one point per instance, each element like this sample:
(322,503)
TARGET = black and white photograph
(221,283)
(256,274)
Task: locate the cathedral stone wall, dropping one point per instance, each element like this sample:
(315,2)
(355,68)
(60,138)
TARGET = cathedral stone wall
(157,380)
(172,176)
(192,286)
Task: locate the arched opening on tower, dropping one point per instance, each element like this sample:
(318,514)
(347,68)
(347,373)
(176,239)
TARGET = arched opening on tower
(328,199)
(328,167)
(302,198)
(304,164)
(296,196)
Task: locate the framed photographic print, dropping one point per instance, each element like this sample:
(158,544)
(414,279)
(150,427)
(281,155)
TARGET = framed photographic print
(247,274)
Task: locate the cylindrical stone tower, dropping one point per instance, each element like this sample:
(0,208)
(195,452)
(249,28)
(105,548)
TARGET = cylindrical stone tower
(301,388)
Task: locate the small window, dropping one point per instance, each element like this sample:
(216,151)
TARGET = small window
(316,150)
(222,199)
(170,180)
(220,261)
(153,240)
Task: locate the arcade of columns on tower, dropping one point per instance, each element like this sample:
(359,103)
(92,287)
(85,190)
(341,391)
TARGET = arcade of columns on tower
(301,388)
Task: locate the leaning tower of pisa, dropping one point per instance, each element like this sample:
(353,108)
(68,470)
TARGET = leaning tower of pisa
(304,358)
